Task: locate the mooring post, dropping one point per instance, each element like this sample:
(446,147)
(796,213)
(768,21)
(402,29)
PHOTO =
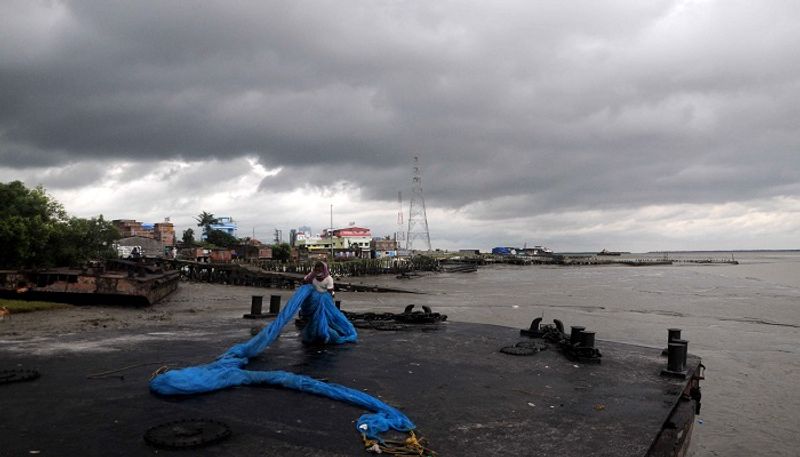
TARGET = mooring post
(255,304)
(274,304)
(255,308)
(673,334)
(586,339)
(677,351)
(338,304)
(575,334)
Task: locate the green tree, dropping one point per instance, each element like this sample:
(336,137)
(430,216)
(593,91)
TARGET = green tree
(188,237)
(79,240)
(282,252)
(35,231)
(206,220)
(28,217)
(221,239)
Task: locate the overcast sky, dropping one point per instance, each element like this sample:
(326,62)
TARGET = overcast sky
(579,125)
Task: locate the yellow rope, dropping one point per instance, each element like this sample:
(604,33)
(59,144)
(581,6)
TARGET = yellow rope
(410,446)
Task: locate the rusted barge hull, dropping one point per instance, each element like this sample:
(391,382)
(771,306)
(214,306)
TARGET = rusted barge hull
(127,283)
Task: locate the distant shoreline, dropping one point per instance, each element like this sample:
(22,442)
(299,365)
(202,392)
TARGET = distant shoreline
(728,251)
(724,250)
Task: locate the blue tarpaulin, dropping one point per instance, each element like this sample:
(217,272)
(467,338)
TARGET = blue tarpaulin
(326,325)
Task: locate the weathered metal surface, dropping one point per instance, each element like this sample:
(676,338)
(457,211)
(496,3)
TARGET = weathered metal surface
(187,433)
(465,396)
(7,376)
(126,283)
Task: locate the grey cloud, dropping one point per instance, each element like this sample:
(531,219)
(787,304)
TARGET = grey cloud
(543,106)
(71,176)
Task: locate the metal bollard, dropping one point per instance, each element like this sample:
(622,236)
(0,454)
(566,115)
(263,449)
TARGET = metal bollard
(672,335)
(255,308)
(574,335)
(255,304)
(586,339)
(274,304)
(677,352)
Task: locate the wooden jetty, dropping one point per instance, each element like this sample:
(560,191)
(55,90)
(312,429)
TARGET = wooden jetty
(248,275)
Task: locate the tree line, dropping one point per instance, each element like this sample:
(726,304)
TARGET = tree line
(36,232)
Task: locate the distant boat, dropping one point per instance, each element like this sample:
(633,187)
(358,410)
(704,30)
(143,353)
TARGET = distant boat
(607,252)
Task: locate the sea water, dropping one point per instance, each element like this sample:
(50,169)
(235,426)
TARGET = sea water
(743,320)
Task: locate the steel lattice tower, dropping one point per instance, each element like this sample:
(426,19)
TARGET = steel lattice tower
(417,218)
(400,234)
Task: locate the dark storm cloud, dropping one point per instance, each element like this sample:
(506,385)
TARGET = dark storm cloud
(533,106)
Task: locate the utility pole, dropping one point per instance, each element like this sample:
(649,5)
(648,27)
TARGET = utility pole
(417,217)
(330,232)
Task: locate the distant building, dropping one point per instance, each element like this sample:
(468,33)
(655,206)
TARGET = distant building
(350,238)
(253,250)
(343,243)
(225,224)
(130,227)
(221,255)
(163,232)
(383,247)
(302,234)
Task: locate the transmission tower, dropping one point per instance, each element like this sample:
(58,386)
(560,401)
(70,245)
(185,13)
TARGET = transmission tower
(400,234)
(417,218)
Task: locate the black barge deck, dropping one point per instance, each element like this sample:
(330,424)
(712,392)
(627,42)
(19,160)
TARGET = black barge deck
(466,397)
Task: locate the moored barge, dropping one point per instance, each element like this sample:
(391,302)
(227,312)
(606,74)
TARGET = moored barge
(560,394)
(112,282)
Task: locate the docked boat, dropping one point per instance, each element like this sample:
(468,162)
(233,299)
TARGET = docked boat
(111,282)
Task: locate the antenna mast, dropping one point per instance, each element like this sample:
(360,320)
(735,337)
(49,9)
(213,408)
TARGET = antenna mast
(417,217)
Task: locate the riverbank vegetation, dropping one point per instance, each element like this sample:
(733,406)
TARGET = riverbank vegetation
(36,231)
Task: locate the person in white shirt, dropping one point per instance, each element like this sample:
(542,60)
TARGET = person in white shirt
(320,277)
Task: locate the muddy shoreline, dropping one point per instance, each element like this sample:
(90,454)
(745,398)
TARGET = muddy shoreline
(192,305)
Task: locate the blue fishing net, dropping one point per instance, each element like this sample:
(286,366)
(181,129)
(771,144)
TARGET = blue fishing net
(326,325)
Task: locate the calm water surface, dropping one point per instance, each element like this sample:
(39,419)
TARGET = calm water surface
(743,320)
